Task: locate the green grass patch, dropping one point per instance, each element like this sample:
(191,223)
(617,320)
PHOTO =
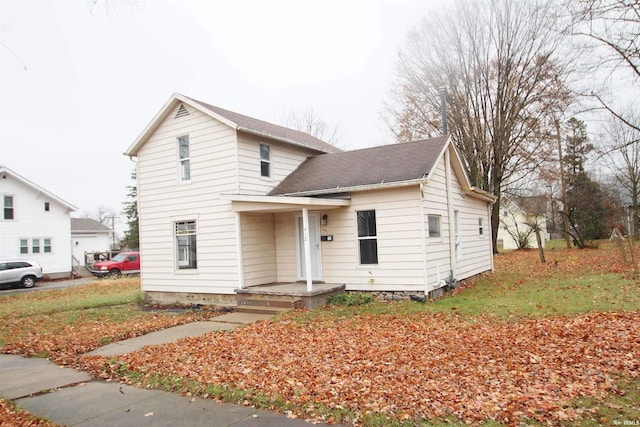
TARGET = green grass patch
(103,293)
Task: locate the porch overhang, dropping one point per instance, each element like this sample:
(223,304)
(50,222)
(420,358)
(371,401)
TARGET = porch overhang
(269,204)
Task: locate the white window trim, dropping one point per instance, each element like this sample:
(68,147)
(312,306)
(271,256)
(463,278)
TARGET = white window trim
(358,238)
(180,160)
(13,207)
(439,239)
(267,161)
(174,220)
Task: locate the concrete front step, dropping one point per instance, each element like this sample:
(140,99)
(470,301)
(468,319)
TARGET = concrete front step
(260,309)
(269,300)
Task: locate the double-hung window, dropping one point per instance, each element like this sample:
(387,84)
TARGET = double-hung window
(265,160)
(186,251)
(35,246)
(367,237)
(8,207)
(184,159)
(434,226)
(24,246)
(46,246)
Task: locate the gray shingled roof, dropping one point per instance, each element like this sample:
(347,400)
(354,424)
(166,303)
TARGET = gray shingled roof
(369,166)
(252,125)
(87,225)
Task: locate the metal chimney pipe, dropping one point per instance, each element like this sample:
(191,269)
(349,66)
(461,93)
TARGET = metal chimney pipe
(443,108)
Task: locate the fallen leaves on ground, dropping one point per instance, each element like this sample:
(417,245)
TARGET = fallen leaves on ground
(62,340)
(10,416)
(418,366)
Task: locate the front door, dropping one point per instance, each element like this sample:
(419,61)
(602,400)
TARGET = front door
(314,238)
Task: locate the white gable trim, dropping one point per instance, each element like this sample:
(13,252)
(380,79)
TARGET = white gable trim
(4,171)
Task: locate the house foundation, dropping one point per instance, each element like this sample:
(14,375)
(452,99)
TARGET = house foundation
(166,298)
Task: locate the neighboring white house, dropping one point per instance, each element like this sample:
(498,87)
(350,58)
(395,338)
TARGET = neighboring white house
(227,201)
(517,215)
(34,224)
(89,236)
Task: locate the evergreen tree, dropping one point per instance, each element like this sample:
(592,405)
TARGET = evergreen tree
(131,238)
(584,196)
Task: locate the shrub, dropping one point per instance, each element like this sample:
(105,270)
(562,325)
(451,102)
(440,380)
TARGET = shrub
(351,298)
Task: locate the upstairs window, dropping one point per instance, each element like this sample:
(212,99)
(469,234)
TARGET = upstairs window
(265,160)
(367,237)
(8,207)
(47,207)
(480,227)
(184,159)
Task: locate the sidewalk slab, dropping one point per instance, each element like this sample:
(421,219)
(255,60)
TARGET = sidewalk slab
(22,377)
(111,404)
(161,337)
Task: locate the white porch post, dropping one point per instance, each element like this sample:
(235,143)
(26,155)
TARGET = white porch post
(239,250)
(307,248)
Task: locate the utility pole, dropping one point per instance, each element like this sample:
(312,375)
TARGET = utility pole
(113,232)
(563,183)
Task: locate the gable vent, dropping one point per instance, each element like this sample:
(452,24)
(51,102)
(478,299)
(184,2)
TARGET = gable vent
(182,111)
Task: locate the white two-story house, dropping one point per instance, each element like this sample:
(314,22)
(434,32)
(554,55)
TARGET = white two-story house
(34,224)
(227,202)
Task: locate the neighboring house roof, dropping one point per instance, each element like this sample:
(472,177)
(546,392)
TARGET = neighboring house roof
(5,171)
(236,121)
(534,205)
(88,225)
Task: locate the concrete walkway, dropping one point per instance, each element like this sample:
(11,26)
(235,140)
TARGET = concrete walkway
(73,398)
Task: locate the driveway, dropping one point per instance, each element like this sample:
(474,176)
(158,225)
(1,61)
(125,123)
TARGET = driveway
(6,290)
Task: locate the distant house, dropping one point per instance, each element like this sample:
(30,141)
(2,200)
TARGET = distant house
(89,236)
(227,202)
(34,224)
(518,219)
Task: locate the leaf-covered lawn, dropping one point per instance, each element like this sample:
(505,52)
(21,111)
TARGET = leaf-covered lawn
(548,344)
(441,360)
(419,366)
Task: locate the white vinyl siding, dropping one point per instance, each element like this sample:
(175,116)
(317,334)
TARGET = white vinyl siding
(400,262)
(284,159)
(259,253)
(162,201)
(33,226)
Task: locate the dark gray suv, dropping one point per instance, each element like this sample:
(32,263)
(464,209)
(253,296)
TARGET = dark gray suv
(20,271)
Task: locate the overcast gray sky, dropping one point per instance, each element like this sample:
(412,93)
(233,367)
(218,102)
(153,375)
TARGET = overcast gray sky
(77,86)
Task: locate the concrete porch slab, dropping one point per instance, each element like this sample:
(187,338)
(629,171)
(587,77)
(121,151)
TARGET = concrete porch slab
(314,299)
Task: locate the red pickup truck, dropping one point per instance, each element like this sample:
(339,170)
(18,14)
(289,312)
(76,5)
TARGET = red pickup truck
(123,263)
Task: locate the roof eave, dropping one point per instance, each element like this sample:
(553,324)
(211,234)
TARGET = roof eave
(358,188)
(68,206)
(480,194)
(280,139)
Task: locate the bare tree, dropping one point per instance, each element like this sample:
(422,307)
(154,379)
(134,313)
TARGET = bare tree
(610,30)
(103,214)
(309,121)
(622,150)
(500,64)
